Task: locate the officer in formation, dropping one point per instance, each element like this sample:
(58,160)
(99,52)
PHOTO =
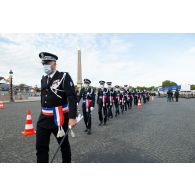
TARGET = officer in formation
(122,100)
(58,109)
(130,95)
(126,98)
(117,100)
(88,96)
(135,95)
(110,99)
(102,102)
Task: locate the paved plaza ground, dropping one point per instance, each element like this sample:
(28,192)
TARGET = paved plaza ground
(159,132)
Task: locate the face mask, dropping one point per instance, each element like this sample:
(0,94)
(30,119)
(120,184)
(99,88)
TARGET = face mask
(101,86)
(47,69)
(86,85)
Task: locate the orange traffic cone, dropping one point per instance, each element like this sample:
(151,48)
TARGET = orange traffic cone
(28,130)
(139,105)
(1,105)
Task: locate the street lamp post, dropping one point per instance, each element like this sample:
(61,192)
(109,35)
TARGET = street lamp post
(11,86)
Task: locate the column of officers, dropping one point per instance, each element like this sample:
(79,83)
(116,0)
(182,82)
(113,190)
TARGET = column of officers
(111,101)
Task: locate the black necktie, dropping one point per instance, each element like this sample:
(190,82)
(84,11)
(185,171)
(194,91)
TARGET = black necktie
(48,80)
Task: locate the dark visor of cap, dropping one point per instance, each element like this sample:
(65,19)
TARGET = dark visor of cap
(45,61)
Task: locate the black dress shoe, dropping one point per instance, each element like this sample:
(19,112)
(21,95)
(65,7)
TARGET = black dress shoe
(85,130)
(89,132)
(100,123)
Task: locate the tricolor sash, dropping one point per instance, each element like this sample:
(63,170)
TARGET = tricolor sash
(118,99)
(88,104)
(50,111)
(59,120)
(123,100)
(111,100)
(104,100)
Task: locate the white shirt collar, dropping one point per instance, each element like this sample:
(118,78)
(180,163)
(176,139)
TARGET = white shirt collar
(51,75)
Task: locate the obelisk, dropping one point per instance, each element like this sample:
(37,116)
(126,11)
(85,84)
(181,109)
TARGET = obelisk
(79,71)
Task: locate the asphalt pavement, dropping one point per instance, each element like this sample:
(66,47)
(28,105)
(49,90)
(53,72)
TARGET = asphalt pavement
(159,132)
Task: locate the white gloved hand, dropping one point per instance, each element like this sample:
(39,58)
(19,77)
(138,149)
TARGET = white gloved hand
(77,104)
(71,131)
(91,109)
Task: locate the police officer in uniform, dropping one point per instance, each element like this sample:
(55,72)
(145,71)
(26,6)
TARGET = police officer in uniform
(126,98)
(135,97)
(110,99)
(102,102)
(144,95)
(88,96)
(130,95)
(117,100)
(148,96)
(122,100)
(139,96)
(58,109)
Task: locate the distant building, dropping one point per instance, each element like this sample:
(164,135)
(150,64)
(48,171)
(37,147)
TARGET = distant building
(173,88)
(185,87)
(4,86)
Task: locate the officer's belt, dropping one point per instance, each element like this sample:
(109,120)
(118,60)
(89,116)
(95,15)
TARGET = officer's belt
(50,111)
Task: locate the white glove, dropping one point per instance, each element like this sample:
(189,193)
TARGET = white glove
(77,104)
(91,109)
(71,131)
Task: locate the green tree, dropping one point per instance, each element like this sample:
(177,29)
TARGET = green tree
(152,88)
(168,83)
(141,88)
(192,87)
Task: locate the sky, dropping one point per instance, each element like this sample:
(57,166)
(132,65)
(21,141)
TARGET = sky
(140,59)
